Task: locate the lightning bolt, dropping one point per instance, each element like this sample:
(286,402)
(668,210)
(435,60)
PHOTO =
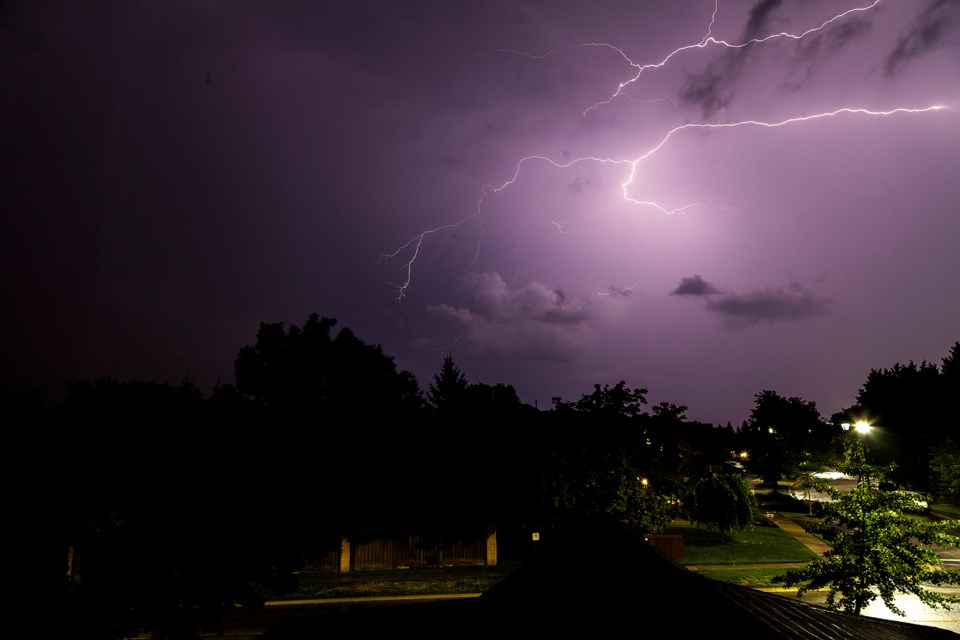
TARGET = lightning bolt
(414,246)
(615,291)
(705,42)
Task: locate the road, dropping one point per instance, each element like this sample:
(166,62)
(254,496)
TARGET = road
(916,611)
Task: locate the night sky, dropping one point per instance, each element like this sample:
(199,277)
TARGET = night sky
(702,199)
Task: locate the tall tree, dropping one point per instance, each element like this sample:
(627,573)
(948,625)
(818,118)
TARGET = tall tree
(911,409)
(950,366)
(945,471)
(786,436)
(335,399)
(616,401)
(603,458)
(876,550)
(303,372)
(448,391)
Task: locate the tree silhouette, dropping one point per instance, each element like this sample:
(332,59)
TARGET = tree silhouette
(786,436)
(619,401)
(448,391)
(910,406)
(302,372)
(331,409)
(603,458)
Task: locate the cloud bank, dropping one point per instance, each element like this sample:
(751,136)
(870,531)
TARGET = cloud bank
(534,321)
(792,301)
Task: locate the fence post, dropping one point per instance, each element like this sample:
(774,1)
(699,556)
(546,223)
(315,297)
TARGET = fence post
(491,555)
(344,554)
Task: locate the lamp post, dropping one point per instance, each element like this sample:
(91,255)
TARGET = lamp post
(861,427)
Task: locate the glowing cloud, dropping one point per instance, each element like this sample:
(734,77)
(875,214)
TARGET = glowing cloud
(704,90)
(618,292)
(534,321)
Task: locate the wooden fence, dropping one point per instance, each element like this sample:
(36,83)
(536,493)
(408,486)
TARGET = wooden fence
(409,551)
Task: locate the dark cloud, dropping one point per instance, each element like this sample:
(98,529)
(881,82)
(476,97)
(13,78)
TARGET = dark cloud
(925,33)
(713,89)
(830,41)
(533,321)
(709,90)
(790,302)
(840,35)
(759,16)
(694,286)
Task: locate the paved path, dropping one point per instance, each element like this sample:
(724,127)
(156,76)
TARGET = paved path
(809,540)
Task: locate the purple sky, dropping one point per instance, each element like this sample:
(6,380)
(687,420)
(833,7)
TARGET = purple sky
(467,178)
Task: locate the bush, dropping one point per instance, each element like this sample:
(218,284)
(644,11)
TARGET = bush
(723,503)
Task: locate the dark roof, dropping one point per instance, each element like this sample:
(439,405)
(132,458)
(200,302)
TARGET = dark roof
(598,577)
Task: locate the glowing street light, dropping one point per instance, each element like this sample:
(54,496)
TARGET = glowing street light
(860,426)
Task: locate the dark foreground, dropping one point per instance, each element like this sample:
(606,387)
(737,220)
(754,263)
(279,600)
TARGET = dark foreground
(567,588)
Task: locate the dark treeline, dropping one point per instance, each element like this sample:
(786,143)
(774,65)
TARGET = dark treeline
(157,495)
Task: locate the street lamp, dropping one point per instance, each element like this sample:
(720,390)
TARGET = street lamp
(863,428)
(860,426)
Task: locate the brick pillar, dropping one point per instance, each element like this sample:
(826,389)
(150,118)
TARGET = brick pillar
(344,555)
(491,545)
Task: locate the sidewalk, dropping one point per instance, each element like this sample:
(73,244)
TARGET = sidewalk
(809,540)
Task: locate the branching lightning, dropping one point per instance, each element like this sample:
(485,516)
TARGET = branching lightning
(415,245)
(707,41)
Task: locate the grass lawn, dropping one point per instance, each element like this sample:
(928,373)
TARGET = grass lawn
(761,544)
(765,543)
(735,561)
(731,561)
(393,582)
(745,576)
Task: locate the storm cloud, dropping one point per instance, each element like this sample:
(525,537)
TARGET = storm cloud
(790,302)
(926,33)
(170,188)
(713,89)
(533,321)
(694,286)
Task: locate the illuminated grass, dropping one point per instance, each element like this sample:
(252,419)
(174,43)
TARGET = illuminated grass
(746,577)
(704,552)
(399,582)
(398,587)
(761,544)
